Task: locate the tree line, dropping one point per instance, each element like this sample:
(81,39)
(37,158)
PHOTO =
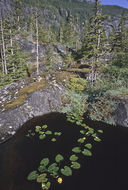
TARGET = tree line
(88,39)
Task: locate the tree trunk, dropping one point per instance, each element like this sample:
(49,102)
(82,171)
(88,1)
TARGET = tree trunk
(3,47)
(37,44)
(2,61)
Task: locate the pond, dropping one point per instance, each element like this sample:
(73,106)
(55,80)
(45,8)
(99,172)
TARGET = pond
(106,169)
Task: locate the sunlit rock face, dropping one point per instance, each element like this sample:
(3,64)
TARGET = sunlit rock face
(16,110)
(121,115)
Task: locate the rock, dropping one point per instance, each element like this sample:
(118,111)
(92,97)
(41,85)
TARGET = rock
(37,103)
(120,115)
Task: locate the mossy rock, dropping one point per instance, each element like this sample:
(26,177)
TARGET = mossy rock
(24,92)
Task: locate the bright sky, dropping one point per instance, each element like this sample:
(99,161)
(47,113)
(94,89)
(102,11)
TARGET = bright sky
(122,3)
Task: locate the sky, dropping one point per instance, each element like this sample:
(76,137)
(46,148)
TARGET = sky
(122,3)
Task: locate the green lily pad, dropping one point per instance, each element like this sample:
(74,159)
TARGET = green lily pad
(66,171)
(48,184)
(97,139)
(33,175)
(44,162)
(80,140)
(48,132)
(76,149)
(100,131)
(75,165)
(44,127)
(57,133)
(87,152)
(42,178)
(89,146)
(73,157)
(53,168)
(41,137)
(59,158)
(53,140)
(42,168)
(82,132)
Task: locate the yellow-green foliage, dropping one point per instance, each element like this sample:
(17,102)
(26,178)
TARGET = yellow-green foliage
(23,93)
(77,84)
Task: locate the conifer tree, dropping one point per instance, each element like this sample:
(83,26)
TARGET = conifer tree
(95,40)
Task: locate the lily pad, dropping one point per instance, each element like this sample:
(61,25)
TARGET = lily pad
(66,171)
(73,157)
(100,131)
(80,140)
(59,158)
(48,132)
(33,175)
(42,178)
(89,146)
(41,137)
(82,132)
(44,162)
(53,169)
(87,152)
(53,140)
(75,165)
(76,149)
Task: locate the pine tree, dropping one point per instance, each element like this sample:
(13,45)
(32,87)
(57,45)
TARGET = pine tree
(121,36)
(95,40)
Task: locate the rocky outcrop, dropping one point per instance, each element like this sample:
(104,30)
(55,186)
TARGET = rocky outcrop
(120,115)
(16,108)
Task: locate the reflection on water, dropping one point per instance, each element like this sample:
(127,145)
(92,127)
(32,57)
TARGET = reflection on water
(105,170)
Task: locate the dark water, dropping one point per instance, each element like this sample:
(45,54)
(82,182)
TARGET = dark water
(107,169)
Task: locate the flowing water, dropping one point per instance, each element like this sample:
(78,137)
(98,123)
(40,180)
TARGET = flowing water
(107,169)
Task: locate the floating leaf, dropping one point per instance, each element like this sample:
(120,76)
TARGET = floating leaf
(53,169)
(75,165)
(73,157)
(97,139)
(42,178)
(82,132)
(38,128)
(80,140)
(48,132)
(100,131)
(76,149)
(33,175)
(94,135)
(44,162)
(89,146)
(44,127)
(66,171)
(87,152)
(57,133)
(42,168)
(90,132)
(41,137)
(59,158)
(48,184)
(53,140)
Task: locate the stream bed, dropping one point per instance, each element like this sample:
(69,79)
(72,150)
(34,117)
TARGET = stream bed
(106,169)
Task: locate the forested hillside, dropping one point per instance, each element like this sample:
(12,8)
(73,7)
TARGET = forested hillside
(61,34)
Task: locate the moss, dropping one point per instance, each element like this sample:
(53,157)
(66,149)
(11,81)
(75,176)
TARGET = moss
(23,93)
(84,70)
(65,99)
(64,76)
